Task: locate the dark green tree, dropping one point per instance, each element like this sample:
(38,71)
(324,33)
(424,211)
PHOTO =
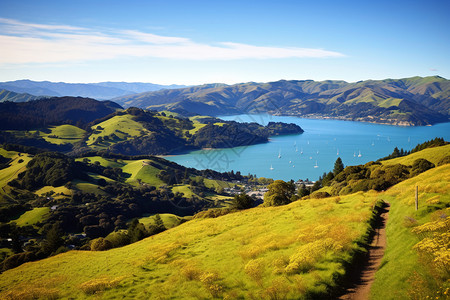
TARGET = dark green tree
(53,239)
(242,201)
(280,193)
(338,166)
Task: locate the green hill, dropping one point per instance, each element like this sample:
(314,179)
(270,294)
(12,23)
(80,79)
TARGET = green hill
(407,101)
(297,251)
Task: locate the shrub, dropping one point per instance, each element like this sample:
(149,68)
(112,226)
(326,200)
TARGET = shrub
(255,269)
(101,244)
(444,161)
(99,284)
(421,165)
(320,195)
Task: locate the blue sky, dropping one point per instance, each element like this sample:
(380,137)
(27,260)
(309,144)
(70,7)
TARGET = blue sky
(195,42)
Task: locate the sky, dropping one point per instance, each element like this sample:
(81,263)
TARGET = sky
(197,42)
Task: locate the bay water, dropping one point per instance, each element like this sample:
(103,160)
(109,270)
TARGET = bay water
(310,154)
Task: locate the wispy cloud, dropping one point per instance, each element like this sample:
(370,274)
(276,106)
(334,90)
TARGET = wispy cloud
(42,43)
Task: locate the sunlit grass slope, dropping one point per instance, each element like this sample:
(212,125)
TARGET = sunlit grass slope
(17,165)
(32,217)
(405,275)
(122,127)
(64,134)
(169,220)
(293,251)
(434,155)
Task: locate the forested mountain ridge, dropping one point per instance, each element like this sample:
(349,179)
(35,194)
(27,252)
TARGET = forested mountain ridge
(53,111)
(408,101)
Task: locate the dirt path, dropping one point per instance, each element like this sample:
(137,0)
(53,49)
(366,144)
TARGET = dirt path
(365,276)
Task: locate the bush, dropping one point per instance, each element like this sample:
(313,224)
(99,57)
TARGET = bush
(242,201)
(101,244)
(320,195)
(444,161)
(421,165)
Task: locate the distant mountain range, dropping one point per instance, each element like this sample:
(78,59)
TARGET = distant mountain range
(408,101)
(100,91)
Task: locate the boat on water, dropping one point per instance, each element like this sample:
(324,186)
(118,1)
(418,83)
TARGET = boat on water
(337,153)
(354,154)
(271,168)
(359,154)
(316,166)
(279,154)
(301,150)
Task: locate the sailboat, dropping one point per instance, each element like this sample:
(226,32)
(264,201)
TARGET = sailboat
(337,152)
(373,144)
(359,154)
(316,166)
(296,149)
(271,168)
(279,154)
(301,150)
(354,154)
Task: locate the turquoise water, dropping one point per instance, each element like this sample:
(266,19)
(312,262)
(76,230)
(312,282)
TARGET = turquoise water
(321,143)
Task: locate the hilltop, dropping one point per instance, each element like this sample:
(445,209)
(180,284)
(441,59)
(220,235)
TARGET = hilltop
(302,250)
(407,101)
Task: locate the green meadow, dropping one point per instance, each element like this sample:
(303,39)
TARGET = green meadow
(32,217)
(64,134)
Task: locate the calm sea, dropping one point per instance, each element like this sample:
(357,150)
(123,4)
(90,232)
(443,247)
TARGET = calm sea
(309,155)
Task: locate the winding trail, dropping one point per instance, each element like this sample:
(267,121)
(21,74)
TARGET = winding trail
(365,275)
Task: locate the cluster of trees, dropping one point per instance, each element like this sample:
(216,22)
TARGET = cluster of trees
(436,142)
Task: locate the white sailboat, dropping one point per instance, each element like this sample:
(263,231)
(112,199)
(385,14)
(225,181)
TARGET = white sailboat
(354,154)
(271,168)
(359,154)
(296,149)
(337,152)
(316,166)
(301,150)
(279,154)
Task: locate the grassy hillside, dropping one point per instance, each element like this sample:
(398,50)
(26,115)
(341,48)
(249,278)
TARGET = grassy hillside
(122,127)
(268,252)
(65,134)
(296,251)
(405,273)
(32,217)
(434,155)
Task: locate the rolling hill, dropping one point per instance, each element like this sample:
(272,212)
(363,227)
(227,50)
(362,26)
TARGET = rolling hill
(101,90)
(408,101)
(83,124)
(302,250)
